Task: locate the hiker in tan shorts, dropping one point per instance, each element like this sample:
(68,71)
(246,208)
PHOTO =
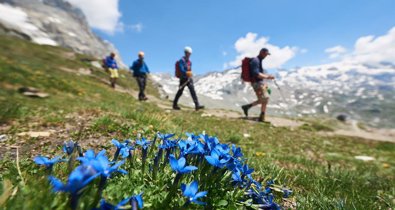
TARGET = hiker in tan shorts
(258,82)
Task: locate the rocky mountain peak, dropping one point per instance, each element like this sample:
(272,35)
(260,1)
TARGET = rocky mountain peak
(53,22)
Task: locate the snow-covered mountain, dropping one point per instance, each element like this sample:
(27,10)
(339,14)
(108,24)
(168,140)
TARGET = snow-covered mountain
(363,92)
(52,22)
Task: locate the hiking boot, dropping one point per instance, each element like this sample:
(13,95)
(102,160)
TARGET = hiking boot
(144,98)
(262,117)
(175,107)
(199,107)
(245,109)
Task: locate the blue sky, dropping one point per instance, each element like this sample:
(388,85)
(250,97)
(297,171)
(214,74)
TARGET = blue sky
(304,29)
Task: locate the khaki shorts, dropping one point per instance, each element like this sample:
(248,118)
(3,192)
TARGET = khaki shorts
(113,73)
(261,91)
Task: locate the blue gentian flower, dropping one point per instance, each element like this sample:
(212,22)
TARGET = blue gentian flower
(246,171)
(236,179)
(188,147)
(287,193)
(104,205)
(48,163)
(223,149)
(78,179)
(137,201)
(168,144)
(100,163)
(267,202)
(123,149)
(236,152)
(191,192)
(143,143)
(68,147)
(210,142)
(180,165)
(165,136)
(217,159)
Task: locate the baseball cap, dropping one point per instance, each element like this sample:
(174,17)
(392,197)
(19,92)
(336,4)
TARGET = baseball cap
(265,50)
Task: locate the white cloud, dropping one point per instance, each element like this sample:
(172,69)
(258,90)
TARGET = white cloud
(368,50)
(372,50)
(336,51)
(137,27)
(101,14)
(250,45)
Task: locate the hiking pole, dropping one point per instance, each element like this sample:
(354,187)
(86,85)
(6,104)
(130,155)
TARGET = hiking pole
(185,83)
(279,90)
(282,96)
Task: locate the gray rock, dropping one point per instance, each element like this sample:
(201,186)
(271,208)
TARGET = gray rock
(342,117)
(3,138)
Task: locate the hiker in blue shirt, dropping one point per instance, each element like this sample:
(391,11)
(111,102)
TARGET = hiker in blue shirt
(259,77)
(112,66)
(140,71)
(184,66)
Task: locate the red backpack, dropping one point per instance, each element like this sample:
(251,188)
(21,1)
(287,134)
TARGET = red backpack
(245,70)
(178,72)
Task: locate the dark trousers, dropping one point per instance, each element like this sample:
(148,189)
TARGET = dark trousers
(141,81)
(189,83)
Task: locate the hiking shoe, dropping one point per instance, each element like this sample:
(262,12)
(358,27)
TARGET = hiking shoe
(175,107)
(245,109)
(261,118)
(144,99)
(199,107)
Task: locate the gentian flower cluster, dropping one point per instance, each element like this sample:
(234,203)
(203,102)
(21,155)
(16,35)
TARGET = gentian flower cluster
(177,165)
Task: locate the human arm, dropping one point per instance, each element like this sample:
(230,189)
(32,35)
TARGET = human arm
(184,67)
(265,76)
(255,70)
(147,69)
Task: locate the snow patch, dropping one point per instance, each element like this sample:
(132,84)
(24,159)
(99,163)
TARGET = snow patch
(17,18)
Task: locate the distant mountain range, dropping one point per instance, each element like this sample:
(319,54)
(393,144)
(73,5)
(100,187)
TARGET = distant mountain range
(52,22)
(364,93)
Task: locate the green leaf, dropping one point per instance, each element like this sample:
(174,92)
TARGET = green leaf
(222,203)
(7,191)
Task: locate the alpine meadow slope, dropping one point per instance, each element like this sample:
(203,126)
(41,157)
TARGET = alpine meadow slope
(324,172)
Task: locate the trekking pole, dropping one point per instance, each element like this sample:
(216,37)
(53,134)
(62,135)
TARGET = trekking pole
(185,83)
(282,95)
(279,90)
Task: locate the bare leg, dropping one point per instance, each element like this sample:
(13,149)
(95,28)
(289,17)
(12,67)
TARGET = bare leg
(264,104)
